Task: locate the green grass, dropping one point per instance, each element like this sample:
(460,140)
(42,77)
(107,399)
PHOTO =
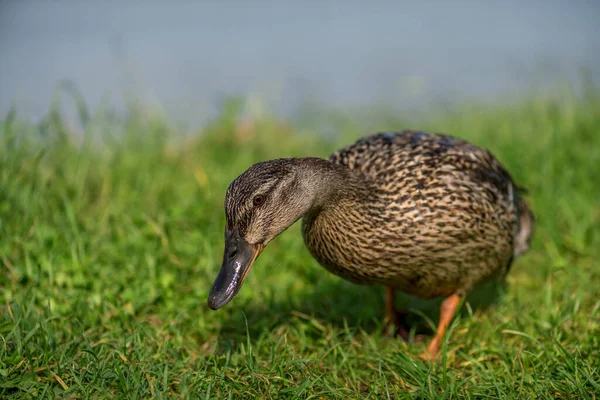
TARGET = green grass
(110,241)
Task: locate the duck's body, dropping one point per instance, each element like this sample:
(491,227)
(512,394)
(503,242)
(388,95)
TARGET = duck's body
(430,215)
(426,214)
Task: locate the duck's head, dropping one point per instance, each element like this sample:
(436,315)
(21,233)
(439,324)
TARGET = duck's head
(260,204)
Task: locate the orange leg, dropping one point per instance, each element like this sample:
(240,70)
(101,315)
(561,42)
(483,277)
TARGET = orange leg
(395,317)
(447,311)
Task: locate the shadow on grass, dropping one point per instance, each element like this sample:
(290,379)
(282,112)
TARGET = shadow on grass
(345,306)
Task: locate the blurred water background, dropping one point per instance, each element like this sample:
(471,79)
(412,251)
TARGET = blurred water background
(185,57)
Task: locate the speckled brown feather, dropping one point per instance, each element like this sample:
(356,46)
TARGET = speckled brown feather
(428,214)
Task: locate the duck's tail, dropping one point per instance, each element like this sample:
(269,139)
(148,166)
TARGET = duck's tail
(526,226)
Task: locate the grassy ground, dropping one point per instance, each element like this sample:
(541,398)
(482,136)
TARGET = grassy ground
(109,244)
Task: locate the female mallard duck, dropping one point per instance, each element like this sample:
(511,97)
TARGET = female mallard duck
(427,214)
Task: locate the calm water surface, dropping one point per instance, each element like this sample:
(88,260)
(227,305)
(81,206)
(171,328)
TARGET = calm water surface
(186,55)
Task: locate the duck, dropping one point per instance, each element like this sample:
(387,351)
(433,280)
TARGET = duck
(426,214)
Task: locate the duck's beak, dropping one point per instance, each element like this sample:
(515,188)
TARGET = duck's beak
(237,260)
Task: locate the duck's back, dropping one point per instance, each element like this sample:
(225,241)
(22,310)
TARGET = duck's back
(442,214)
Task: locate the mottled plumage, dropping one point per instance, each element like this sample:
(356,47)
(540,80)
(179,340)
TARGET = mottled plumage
(439,215)
(427,214)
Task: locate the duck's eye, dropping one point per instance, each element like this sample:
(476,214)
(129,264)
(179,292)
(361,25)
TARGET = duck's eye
(259,199)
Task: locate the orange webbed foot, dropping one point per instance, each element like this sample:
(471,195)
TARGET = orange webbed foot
(447,311)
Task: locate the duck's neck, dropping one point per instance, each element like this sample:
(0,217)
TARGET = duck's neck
(325,183)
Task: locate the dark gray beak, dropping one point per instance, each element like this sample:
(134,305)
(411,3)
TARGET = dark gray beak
(237,260)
